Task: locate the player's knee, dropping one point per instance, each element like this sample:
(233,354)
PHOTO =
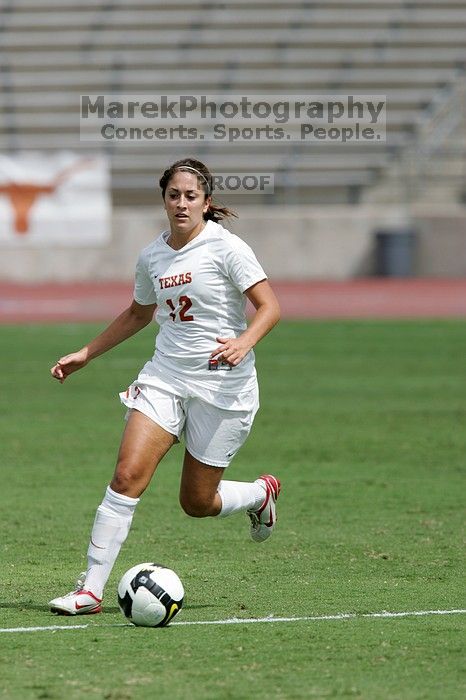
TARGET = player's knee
(195,507)
(125,480)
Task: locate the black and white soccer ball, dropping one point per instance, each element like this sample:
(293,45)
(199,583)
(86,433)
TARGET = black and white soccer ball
(150,595)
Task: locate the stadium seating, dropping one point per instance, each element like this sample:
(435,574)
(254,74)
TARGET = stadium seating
(413,52)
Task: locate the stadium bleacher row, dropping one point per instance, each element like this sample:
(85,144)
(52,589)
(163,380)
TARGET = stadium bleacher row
(413,52)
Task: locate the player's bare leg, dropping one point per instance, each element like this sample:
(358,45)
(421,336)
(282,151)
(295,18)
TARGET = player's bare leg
(199,495)
(143,445)
(204,493)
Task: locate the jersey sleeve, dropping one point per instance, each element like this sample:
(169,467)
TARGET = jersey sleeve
(144,292)
(241,265)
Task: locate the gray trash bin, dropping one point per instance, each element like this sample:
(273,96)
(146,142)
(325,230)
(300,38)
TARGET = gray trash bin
(394,253)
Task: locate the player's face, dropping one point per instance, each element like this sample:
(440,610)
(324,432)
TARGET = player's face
(185,203)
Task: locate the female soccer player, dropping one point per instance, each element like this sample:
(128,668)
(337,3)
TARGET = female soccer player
(201,382)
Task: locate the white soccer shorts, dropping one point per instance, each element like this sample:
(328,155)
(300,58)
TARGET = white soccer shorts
(212,435)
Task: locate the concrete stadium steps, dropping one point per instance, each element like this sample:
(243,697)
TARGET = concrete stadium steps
(67,121)
(66,100)
(14,139)
(47,5)
(413,52)
(251,57)
(341,160)
(366,80)
(191,36)
(227,16)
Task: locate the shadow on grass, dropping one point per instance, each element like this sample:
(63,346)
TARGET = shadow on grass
(23,605)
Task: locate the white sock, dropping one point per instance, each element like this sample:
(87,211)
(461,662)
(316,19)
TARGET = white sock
(239,495)
(111,526)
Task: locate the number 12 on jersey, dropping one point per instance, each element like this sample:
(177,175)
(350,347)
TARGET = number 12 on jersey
(185,304)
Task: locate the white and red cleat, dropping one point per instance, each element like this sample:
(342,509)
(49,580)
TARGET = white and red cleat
(78,602)
(264,518)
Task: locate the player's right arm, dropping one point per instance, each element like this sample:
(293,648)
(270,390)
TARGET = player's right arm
(132,320)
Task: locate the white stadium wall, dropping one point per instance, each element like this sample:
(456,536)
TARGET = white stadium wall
(294,243)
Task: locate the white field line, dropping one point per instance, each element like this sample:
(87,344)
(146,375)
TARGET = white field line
(246,620)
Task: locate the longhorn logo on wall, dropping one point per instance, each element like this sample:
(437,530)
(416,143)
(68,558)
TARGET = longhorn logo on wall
(62,199)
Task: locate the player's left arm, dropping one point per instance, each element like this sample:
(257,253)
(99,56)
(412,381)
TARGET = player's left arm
(262,297)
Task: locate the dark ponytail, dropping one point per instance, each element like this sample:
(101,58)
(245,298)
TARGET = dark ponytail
(204,177)
(216,213)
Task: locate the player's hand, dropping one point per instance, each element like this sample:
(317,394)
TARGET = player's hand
(68,364)
(231,350)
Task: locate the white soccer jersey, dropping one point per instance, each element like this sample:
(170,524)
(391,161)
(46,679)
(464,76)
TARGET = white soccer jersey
(199,295)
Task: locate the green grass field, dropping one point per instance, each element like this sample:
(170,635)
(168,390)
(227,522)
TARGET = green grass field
(365,424)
